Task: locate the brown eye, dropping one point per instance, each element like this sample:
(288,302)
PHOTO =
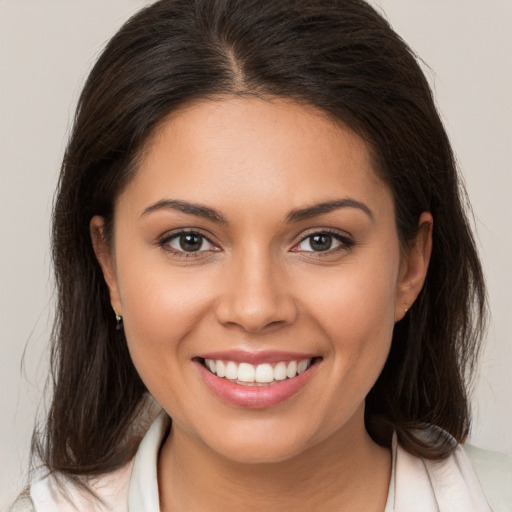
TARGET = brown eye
(320,242)
(323,241)
(187,242)
(190,242)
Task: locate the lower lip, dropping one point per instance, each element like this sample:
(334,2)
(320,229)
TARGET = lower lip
(254,397)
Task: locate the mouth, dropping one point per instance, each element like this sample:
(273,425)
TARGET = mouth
(264,374)
(256,381)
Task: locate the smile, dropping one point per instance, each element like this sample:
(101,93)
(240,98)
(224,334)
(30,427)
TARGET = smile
(248,374)
(256,380)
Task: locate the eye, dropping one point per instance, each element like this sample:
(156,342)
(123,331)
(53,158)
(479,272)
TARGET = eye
(323,241)
(187,242)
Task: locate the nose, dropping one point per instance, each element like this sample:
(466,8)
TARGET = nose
(255,294)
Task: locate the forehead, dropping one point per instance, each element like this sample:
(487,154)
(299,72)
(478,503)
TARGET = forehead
(259,151)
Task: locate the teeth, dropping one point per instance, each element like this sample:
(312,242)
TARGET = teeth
(220,367)
(231,371)
(246,372)
(291,370)
(280,371)
(302,367)
(262,374)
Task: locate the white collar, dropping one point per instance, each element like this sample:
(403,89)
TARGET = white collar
(450,485)
(143,492)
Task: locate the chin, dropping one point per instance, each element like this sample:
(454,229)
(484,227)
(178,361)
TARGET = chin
(264,451)
(263,441)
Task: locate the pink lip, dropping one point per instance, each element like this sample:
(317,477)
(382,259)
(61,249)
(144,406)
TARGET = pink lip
(243,356)
(254,397)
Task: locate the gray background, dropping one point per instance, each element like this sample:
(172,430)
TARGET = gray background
(46,50)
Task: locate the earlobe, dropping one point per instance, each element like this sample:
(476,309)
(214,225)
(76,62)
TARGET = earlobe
(414,266)
(104,255)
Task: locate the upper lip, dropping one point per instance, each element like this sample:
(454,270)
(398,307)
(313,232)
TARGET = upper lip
(264,356)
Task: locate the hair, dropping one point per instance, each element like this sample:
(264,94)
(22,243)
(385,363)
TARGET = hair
(339,56)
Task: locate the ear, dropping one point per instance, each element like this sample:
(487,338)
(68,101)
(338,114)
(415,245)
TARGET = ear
(105,256)
(414,266)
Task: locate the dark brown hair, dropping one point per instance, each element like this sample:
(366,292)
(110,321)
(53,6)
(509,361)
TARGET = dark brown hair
(338,55)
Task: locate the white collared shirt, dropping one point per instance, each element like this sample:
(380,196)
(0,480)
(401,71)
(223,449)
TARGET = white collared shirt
(416,485)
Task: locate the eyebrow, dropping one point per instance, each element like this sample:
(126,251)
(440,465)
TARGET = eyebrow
(297,215)
(185,207)
(327,207)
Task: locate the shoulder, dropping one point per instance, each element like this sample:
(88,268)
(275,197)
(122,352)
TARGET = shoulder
(494,471)
(57,493)
(23,503)
(105,493)
(470,479)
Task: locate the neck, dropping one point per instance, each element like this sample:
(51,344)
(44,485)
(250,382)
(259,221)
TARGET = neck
(333,475)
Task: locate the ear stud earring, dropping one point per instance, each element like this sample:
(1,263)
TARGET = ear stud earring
(119,321)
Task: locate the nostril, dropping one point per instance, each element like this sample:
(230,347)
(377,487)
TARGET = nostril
(257,313)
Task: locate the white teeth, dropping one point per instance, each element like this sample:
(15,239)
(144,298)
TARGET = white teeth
(280,371)
(221,368)
(231,371)
(246,372)
(263,373)
(302,367)
(291,370)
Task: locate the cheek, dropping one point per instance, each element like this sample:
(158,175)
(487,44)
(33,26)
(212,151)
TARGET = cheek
(162,312)
(356,299)
(355,309)
(161,306)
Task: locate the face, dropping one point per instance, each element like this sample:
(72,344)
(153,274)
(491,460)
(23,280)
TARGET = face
(256,264)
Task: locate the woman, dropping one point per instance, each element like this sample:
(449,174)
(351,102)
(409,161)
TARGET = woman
(259,224)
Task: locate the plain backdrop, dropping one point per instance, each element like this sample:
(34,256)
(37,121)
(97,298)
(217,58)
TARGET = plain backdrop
(46,50)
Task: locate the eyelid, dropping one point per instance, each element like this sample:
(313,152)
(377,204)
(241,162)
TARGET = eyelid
(345,239)
(164,239)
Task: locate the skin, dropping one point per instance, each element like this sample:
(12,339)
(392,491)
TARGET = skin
(258,285)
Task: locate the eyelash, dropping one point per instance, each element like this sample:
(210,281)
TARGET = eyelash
(166,239)
(346,243)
